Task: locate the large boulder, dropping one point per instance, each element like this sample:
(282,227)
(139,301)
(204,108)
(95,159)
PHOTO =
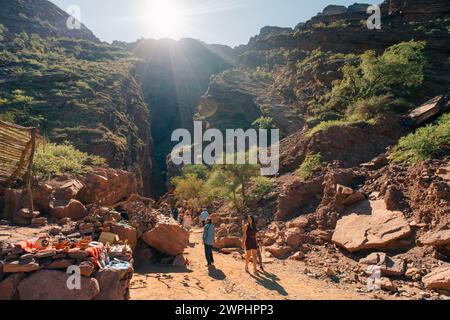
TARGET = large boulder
(228,242)
(107,186)
(168,238)
(126,232)
(72,209)
(279,252)
(114,284)
(438,279)
(52,285)
(8,286)
(13,200)
(379,230)
(430,109)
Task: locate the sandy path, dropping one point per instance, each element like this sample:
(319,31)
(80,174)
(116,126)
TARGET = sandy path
(282,280)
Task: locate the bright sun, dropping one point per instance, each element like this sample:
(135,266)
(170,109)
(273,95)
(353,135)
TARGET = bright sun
(164,17)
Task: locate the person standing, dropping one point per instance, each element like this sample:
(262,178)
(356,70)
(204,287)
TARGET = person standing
(209,234)
(175,213)
(250,242)
(187,220)
(203,216)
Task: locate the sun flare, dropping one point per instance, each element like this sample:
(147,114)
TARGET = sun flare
(164,18)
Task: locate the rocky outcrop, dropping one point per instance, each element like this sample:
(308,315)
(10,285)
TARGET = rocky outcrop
(382,229)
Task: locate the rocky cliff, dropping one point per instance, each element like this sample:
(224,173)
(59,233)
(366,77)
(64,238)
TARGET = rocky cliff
(174,75)
(41,17)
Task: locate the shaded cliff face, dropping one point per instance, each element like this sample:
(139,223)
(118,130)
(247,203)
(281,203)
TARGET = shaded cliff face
(41,17)
(174,76)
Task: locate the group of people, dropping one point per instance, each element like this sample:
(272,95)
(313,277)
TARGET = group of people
(250,242)
(185,218)
(250,239)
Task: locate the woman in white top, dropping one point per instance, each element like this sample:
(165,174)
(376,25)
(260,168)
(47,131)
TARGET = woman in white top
(187,220)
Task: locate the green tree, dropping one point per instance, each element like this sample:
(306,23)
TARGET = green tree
(311,163)
(190,188)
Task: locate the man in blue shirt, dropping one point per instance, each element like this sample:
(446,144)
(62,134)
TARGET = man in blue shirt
(209,235)
(203,216)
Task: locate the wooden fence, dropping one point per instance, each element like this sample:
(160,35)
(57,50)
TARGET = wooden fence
(17,146)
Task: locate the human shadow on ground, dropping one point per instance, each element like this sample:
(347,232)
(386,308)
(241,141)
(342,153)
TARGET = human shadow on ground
(269,281)
(216,273)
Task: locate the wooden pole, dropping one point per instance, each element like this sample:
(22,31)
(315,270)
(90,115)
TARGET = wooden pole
(29,170)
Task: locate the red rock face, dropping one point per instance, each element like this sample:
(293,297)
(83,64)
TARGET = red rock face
(107,186)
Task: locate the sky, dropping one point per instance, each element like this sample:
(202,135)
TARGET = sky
(230,22)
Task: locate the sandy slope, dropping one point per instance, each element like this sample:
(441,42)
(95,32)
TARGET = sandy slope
(282,280)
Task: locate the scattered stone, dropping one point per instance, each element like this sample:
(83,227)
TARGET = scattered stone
(298,256)
(60,264)
(435,238)
(38,222)
(55,231)
(126,232)
(228,242)
(86,268)
(179,261)
(279,252)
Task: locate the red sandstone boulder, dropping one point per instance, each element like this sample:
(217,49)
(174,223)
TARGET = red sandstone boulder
(435,238)
(293,238)
(380,230)
(52,285)
(73,209)
(438,279)
(126,233)
(279,252)
(168,238)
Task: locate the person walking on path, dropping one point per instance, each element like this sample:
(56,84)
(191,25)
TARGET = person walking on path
(175,213)
(250,242)
(209,234)
(203,216)
(187,220)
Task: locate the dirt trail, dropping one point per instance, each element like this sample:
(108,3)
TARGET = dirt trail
(282,280)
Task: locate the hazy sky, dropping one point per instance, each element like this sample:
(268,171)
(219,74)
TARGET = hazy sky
(230,22)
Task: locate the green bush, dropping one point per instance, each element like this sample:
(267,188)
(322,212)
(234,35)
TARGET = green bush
(52,159)
(312,163)
(398,72)
(264,123)
(426,143)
